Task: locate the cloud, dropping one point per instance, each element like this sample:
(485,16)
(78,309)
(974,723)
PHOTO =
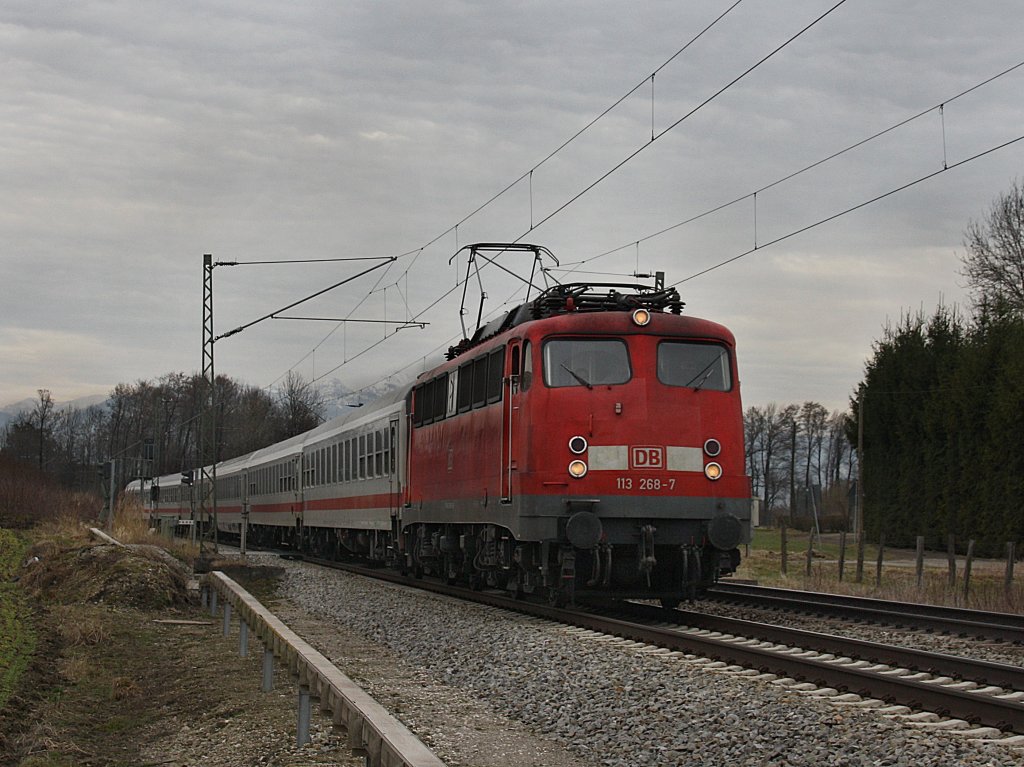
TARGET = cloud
(142,135)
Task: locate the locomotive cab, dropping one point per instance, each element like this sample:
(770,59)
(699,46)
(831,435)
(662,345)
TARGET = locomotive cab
(586,444)
(634,461)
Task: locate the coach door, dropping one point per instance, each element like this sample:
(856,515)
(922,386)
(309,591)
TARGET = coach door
(509,420)
(395,465)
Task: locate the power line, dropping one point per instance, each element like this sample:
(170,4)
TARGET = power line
(580,132)
(851,209)
(621,163)
(678,122)
(805,169)
(528,174)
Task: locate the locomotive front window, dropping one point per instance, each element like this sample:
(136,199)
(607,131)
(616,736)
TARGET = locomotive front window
(699,366)
(586,362)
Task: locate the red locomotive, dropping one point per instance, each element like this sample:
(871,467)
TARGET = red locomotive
(587,444)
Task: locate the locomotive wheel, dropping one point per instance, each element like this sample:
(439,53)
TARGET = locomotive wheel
(670,603)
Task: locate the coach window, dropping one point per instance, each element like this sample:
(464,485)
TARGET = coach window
(362,456)
(495,374)
(586,362)
(424,401)
(526,378)
(465,395)
(440,408)
(700,366)
(390,446)
(420,402)
(480,381)
(378,453)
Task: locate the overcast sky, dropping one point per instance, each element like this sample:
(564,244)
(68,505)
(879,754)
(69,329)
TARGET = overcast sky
(136,136)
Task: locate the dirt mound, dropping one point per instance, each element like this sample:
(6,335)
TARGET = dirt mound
(145,577)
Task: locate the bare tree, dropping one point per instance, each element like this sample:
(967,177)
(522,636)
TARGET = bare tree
(41,415)
(301,405)
(994,262)
(767,429)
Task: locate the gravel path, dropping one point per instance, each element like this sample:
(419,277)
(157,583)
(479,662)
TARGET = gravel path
(606,702)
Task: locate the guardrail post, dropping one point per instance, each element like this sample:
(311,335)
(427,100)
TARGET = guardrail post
(302,737)
(243,638)
(268,669)
(213,601)
(227,617)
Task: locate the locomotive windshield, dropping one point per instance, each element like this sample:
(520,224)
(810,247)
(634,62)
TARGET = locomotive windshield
(585,362)
(701,366)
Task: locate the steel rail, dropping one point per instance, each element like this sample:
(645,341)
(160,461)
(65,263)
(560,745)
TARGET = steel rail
(953,620)
(1003,713)
(939,664)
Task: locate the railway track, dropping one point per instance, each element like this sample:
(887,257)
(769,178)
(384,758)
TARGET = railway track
(951,620)
(985,694)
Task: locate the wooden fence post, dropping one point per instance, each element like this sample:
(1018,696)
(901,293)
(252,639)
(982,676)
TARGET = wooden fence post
(967,571)
(1011,555)
(861,539)
(919,564)
(784,562)
(842,553)
(951,558)
(810,551)
(878,565)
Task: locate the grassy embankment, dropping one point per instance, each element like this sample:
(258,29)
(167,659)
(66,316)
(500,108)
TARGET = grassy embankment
(899,579)
(84,671)
(17,632)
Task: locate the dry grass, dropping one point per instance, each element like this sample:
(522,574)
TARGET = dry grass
(898,582)
(28,497)
(131,525)
(80,625)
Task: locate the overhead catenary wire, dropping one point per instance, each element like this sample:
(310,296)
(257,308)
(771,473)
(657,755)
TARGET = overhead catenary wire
(622,162)
(946,168)
(417,252)
(805,169)
(793,233)
(533,224)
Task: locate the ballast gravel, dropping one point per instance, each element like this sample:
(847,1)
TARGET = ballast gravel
(608,702)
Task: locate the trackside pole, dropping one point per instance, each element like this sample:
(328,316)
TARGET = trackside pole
(302,737)
(268,670)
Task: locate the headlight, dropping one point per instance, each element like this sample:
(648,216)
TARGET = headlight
(641,317)
(712,447)
(712,471)
(578,445)
(577,469)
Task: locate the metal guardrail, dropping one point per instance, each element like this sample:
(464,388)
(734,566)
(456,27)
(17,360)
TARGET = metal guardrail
(372,731)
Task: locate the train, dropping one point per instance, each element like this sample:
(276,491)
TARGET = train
(585,445)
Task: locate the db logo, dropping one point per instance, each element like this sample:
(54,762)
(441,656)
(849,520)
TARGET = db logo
(647,458)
